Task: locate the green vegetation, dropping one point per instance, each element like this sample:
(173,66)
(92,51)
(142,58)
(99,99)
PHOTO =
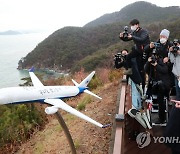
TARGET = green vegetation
(95,82)
(82,104)
(115,75)
(76,144)
(17,122)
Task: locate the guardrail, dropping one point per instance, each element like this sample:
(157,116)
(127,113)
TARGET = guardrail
(118,141)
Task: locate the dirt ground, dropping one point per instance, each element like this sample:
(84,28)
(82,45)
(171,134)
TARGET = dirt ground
(88,138)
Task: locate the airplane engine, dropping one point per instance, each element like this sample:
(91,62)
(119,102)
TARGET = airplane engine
(51,110)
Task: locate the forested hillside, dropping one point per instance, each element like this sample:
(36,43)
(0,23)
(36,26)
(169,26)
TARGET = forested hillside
(68,45)
(71,48)
(144,11)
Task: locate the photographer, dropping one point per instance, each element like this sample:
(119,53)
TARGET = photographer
(161,46)
(174,56)
(159,81)
(120,60)
(173,126)
(141,39)
(162,49)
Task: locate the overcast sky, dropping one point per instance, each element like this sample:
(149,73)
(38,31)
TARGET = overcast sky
(55,14)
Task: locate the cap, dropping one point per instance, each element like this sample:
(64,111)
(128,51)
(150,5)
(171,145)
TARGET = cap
(165,32)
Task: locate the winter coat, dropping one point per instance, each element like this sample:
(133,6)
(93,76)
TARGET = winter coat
(173,128)
(160,72)
(162,49)
(140,38)
(175,59)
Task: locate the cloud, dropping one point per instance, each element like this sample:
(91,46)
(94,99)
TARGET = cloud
(55,14)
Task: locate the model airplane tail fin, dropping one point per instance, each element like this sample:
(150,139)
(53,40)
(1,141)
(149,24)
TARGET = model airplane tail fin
(36,82)
(84,83)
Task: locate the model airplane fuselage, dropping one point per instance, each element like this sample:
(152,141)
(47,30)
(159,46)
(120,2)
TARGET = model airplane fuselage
(17,95)
(51,95)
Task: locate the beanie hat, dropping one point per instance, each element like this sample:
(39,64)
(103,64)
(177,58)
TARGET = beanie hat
(165,32)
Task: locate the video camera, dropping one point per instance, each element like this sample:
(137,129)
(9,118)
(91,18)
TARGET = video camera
(125,33)
(157,45)
(154,56)
(119,59)
(175,46)
(155,52)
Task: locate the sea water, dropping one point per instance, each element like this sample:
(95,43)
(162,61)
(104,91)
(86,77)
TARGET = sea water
(12,49)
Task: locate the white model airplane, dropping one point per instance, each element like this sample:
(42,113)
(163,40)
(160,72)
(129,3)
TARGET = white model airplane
(50,95)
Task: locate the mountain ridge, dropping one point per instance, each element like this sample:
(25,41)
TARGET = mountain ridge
(67,47)
(10,32)
(128,13)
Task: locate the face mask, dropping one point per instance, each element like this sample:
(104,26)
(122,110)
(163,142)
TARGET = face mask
(163,40)
(179,83)
(133,28)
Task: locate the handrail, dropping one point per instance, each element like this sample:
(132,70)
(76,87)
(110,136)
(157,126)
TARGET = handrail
(118,142)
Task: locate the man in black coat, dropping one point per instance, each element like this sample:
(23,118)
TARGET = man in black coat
(159,82)
(120,60)
(140,38)
(161,48)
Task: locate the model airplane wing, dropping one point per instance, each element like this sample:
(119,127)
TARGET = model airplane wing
(36,82)
(57,103)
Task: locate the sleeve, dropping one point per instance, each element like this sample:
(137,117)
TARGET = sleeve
(171,57)
(125,39)
(148,50)
(147,67)
(144,35)
(162,68)
(118,65)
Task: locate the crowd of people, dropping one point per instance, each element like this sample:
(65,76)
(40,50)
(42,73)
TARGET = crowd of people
(160,61)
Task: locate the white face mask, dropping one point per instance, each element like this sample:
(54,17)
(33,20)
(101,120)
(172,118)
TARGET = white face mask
(179,83)
(163,40)
(133,28)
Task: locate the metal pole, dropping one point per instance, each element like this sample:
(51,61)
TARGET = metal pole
(66,131)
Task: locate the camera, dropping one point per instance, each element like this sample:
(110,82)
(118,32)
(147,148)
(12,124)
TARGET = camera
(153,56)
(157,45)
(125,33)
(119,59)
(175,46)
